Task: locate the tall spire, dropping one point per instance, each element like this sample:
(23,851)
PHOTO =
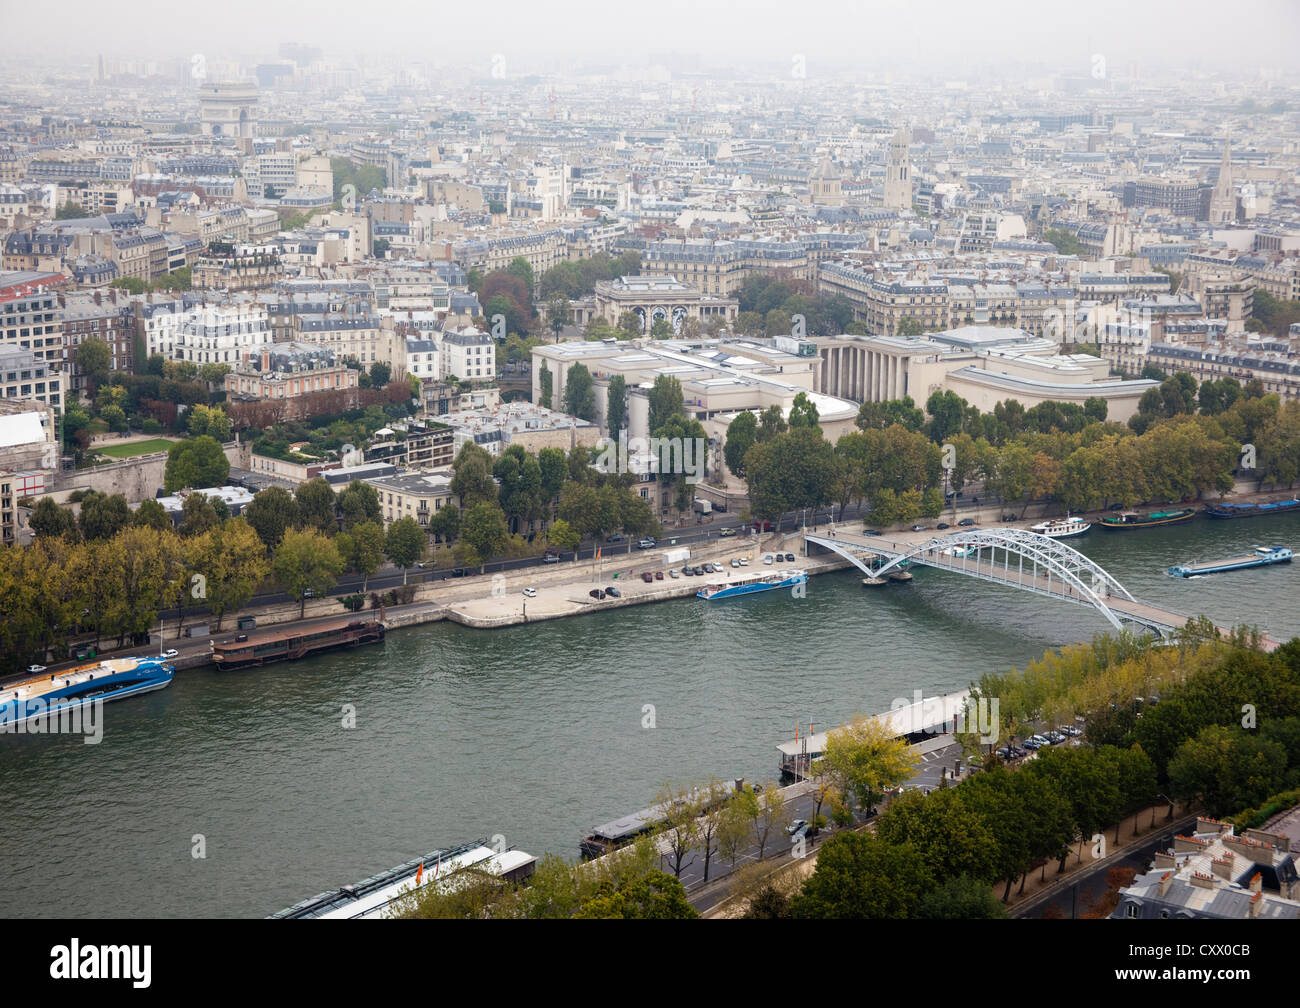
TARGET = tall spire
(1223,202)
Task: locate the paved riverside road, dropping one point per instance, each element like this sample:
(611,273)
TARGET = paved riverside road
(800,804)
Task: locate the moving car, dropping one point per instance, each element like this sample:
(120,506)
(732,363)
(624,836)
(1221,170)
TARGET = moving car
(169,654)
(35,668)
(645,544)
(727,532)
(551,557)
(796,826)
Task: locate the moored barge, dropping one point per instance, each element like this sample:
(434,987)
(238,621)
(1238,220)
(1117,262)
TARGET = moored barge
(294,642)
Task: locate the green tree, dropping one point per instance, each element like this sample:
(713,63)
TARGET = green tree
(862,877)
(197,515)
(48,520)
(271,513)
(445,524)
(197,463)
(866,760)
(103,515)
(316,505)
(562,536)
(579,394)
(359,502)
(93,357)
(405,544)
(152,515)
(483,529)
(665,401)
(960,898)
(616,411)
(362,549)
(472,481)
(233,560)
(742,432)
(305,562)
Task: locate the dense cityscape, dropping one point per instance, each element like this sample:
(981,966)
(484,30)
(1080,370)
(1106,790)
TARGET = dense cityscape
(948,401)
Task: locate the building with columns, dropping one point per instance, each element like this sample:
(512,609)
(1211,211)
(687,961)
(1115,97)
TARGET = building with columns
(982,364)
(661,298)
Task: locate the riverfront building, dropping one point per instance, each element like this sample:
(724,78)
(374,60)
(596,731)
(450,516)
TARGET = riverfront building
(982,364)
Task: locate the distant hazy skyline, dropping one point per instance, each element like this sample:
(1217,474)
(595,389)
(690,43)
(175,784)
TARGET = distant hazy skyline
(941,36)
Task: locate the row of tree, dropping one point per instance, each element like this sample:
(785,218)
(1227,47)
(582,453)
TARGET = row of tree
(896,464)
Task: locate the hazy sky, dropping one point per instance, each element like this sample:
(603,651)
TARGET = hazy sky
(935,35)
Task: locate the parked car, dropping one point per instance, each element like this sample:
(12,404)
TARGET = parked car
(596,593)
(309,594)
(918,528)
(744,561)
(943,525)
(966,522)
(698,571)
(1055,737)
(659,575)
(687,572)
(613,592)
(726,532)
(735,561)
(675,573)
(647,577)
(458,571)
(767,559)
(530,593)
(169,654)
(1032,743)
(867,531)
(789,558)
(1070,730)
(1008,517)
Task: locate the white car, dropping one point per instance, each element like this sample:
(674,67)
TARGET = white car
(768,559)
(169,654)
(744,561)
(674,573)
(530,593)
(35,668)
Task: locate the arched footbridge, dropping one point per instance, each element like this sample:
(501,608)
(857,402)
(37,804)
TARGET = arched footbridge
(1014,557)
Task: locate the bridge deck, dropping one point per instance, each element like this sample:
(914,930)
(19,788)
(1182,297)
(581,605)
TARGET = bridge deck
(986,568)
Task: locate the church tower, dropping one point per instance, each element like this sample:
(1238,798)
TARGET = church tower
(898,172)
(1223,202)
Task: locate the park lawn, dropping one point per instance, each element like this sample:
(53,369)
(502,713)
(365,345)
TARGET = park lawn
(134,448)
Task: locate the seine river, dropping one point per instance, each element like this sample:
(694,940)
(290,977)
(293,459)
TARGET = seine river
(533,733)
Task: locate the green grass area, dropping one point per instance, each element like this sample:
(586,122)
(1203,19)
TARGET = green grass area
(133,448)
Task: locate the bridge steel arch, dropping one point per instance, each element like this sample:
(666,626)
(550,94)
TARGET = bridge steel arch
(1083,581)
